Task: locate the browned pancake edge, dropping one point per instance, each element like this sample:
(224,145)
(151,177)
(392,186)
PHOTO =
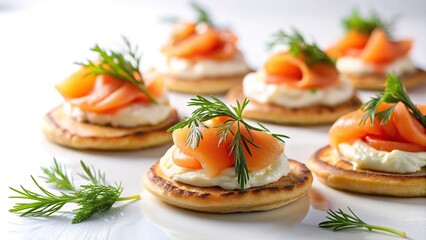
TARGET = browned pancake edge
(333,171)
(378,81)
(273,113)
(65,131)
(209,85)
(218,200)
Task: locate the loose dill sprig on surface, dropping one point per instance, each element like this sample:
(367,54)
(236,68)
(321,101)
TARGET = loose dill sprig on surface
(339,220)
(95,197)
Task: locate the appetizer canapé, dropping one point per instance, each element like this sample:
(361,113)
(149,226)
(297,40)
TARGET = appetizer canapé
(298,86)
(111,105)
(220,163)
(202,58)
(368,51)
(380,149)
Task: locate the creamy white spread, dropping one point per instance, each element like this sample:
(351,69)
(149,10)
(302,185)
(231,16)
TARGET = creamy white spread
(255,87)
(362,156)
(227,178)
(134,115)
(193,70)
(355,66)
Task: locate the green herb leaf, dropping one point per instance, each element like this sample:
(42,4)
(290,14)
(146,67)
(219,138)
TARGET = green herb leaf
(90,174)
(44,204)
(57,176)
(121,65)
(365,24)
(91,198)
(95,199)
(209,109)
(202,15)
(339,220)
(394,93)
(298,46)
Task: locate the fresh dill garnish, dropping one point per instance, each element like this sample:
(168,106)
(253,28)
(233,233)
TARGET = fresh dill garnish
(298,46)
(90,174)
(90,198)
(209,109)
(394,93)
(121,65)
(57,176)
(339,220)
(365,24)
(202,14)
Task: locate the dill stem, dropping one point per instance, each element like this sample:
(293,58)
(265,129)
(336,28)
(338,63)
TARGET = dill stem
(386,229)
(137,196)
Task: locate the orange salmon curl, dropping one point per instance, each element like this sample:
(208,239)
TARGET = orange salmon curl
(402,132)
(104,93)
(200,41)
(376,48)
(214,158)
(284,68)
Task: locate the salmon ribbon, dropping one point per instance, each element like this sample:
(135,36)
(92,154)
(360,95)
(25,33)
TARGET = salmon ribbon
(214,158)
(402,132)
(192,41)
(104,93)
(376,48)
(285,68)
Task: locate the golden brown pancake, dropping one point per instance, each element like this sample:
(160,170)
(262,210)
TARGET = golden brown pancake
(218,200)
(210,85)
(292,116)
(331,170)
(378,81)
(63,130)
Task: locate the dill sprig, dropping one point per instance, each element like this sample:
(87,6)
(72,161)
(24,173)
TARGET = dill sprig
(202,14)
(57,176)
(90,198)
(339,220)
(90,174)
(298,46)
(121,65)
(394,93)
(209,109)
(365,24)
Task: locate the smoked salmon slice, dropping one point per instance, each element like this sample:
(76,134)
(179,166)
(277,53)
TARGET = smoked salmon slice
(208,43)
(352,42)
(376,48)
(293,71)
(74,86)
(400,132)
(182,30)
(380,49)
(214,158)
(107,93)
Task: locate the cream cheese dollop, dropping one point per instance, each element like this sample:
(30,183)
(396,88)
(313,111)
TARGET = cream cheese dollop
(194,70)
(137,114)
(256,88)
(227,178)
(362,156)
(355,66)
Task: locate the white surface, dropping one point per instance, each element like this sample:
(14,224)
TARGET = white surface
(40,39)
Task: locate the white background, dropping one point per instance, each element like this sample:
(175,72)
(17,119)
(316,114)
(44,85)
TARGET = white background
(39,41)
